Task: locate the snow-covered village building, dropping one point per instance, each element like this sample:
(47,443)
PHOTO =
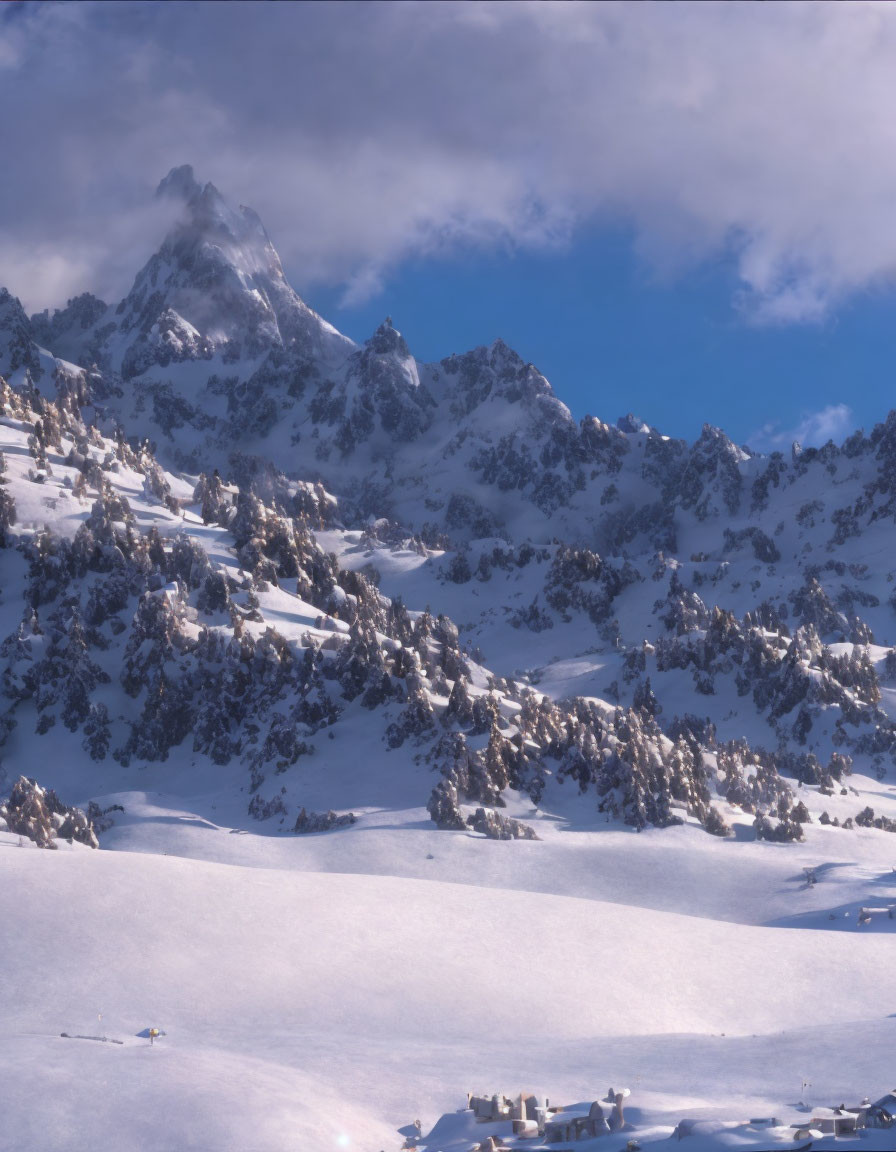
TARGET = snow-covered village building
(829,1122)
(843,1121)
(574,1125)
(532,1117)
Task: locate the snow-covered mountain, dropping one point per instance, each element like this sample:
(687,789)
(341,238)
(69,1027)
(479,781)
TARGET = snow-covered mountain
(257,579)
(215,287)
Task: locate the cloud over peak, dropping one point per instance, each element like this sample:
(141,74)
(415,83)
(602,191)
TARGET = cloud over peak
(367,134)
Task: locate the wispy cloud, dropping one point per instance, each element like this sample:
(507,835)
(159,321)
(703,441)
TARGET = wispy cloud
(833,422)
(365,134)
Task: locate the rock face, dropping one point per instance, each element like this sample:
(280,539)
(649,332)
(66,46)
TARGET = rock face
(39,814)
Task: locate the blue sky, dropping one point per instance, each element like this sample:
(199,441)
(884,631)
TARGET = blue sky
(683,210)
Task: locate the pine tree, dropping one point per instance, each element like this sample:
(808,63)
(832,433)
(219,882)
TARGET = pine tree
(96,732)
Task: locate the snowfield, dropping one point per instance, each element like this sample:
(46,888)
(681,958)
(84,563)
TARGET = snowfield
(325,1009)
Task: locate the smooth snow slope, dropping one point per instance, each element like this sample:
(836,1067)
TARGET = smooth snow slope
(320,1011)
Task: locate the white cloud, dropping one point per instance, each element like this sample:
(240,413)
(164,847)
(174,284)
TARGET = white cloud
(365,134)
(363,285)
(833,422)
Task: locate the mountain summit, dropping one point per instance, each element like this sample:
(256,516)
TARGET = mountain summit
(180,184)
(215,285)
(214,288)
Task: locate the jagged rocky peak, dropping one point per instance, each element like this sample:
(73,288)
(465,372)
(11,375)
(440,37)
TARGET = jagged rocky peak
(388,341)
(383,393)
(387,355)
(215,287)
(633,424)
(712,479)
(715,441)
(232,239)
(17,347)
(497,373)
(180,184)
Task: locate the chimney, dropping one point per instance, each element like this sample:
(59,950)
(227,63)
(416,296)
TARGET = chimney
(615,1098)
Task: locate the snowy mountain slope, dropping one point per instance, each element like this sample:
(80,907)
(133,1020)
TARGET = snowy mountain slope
(660,632)
(137,643)
(574,623)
